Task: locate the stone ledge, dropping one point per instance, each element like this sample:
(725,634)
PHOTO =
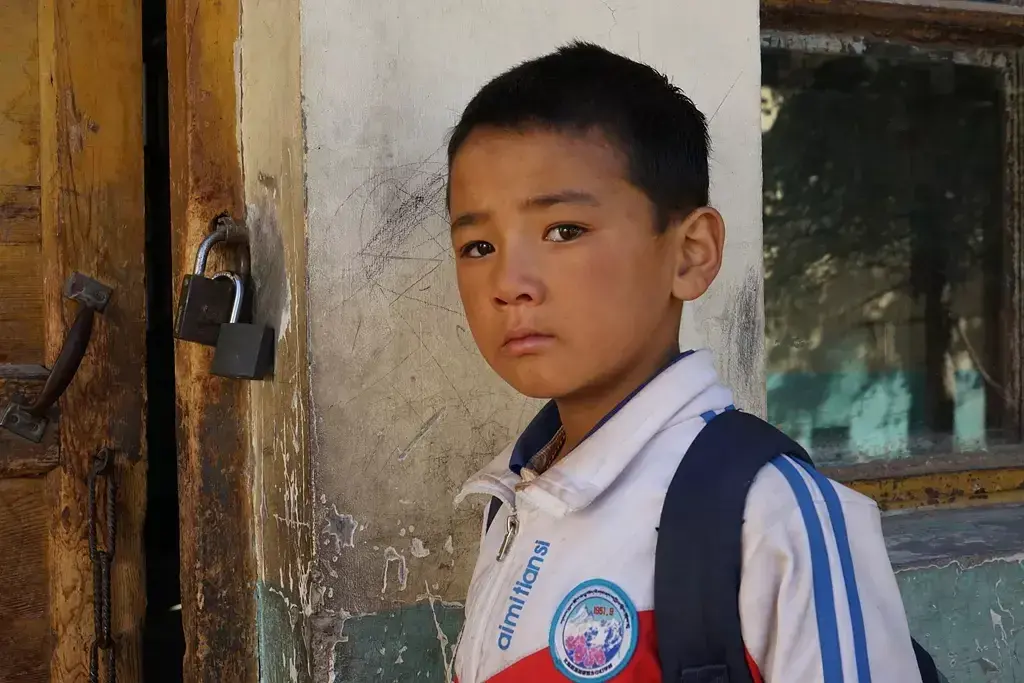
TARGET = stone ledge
(968,537)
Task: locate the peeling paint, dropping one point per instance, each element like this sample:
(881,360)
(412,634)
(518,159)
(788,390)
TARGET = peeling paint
(418,549)
(402,645)
(448,649)
(340,529)
(393,556)
(959,616)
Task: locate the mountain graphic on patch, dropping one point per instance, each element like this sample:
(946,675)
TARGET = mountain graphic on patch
(592,635)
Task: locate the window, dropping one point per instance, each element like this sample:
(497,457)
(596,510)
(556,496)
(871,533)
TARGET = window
(891,246)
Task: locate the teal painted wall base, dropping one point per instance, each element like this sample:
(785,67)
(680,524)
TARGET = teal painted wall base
(282,650)
(416,643)
(971,620)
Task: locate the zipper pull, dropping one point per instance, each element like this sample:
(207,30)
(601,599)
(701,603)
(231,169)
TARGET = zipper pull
(511,529)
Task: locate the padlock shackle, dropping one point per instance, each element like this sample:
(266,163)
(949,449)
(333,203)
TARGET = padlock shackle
(236,306)
(203,253)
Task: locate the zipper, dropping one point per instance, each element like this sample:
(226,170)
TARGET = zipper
(471,648)
(493,486)
(511,531)
(492,593)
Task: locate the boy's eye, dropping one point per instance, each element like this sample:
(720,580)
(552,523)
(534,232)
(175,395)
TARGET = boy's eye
(564,232)
(476,250)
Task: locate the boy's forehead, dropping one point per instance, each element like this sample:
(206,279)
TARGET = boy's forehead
(509,165)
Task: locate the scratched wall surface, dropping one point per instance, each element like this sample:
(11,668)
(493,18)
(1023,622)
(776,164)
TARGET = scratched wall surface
(404,409)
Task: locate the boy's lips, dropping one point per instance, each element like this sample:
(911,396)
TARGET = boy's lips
(525,341)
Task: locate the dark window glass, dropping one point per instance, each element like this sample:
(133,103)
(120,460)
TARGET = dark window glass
(884,254)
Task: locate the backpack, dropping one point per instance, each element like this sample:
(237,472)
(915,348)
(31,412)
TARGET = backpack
(696,594)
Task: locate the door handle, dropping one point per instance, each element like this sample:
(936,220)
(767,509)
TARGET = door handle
(29,420)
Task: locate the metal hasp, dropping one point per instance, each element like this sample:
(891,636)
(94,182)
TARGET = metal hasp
(29,420)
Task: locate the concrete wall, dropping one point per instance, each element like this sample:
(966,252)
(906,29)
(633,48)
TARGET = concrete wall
(404,408)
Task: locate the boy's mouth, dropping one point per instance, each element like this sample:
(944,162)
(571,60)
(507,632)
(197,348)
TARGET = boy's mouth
(525,341)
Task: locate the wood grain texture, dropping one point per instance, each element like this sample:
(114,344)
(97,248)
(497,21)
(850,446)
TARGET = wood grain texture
(21,306)
(24,625)
(218,574)
(933,22)
(19,211)
(25,642)
(21,303)
(273,146)
(19,95)
(19,457)
(93,221)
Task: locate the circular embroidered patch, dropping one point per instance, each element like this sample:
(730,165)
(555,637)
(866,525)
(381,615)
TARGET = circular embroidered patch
(594,632)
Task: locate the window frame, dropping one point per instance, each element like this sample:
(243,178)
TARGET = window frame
(984,34)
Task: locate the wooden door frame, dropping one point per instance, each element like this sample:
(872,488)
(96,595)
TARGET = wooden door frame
(218,572)
(952,22)
(236,143)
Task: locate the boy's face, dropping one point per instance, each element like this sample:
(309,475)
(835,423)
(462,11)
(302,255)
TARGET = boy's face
(566,283)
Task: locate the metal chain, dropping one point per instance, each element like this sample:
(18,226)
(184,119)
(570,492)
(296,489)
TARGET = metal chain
(102,468)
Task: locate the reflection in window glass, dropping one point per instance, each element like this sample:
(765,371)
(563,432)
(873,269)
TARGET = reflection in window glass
(883,186)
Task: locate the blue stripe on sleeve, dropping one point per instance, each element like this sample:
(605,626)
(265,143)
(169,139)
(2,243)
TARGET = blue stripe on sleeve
(824,600)
(835,513)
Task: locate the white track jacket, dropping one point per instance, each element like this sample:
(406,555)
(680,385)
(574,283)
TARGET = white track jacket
(573,596)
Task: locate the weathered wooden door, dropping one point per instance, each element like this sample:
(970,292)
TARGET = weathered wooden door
(71,200)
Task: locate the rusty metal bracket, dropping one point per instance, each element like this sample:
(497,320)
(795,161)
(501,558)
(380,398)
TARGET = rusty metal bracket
(29,420)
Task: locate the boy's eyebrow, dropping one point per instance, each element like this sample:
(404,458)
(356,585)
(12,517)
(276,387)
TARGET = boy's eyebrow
(564,197)
(467,219)
(542,201)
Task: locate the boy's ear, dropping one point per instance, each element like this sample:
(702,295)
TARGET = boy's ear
(698,243)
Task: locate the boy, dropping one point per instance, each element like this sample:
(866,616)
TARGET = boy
(578,195)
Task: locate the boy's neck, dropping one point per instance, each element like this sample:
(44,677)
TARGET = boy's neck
(580,413)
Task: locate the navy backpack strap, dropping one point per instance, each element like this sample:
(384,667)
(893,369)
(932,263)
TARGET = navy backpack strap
(492,511)
(698,556)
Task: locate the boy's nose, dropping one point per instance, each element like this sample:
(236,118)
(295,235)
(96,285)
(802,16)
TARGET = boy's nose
(517,282)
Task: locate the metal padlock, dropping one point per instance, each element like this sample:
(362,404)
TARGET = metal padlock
(205,303)
(244,350)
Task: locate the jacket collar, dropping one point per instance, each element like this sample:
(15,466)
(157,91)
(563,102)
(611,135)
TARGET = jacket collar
(687,387)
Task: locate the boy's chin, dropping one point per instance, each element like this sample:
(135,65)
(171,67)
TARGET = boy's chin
(534,382)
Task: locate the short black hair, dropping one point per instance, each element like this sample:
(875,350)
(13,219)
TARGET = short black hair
(581,87)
